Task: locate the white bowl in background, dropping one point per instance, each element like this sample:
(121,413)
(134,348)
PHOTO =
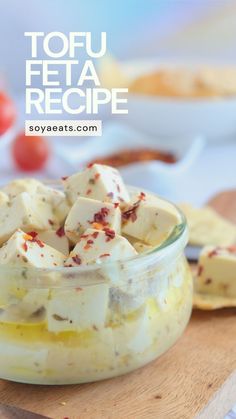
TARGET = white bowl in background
(156,175)
(214,118)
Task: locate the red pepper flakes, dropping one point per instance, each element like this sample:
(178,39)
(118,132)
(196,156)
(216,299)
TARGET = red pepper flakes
(51,222)
(97,226)
(110,234)
(200,270)
(32,238)
(90,241)
(88,191)
(87,247)
(101,215)
(105,255)
(24,246)
(64,177)
(142,196)
(95,234)
(84,236)
(97,176)
(116,204)
(33,234)
(90,165)
(208,281)
(60,232)
(110,195)
(78,289)
(76,259)
(130,214)
(39,242)
(213,252)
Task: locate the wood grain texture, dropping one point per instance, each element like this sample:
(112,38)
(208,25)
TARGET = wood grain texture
(178,385)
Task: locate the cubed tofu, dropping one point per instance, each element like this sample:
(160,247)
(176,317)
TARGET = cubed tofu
(58,201)
(30,307)
(217,271)
(52,196)
(88,212)
(56,239)
(3,198)
(27,212)
(77,309)
(18,186)
(149,219)
(22,360)
(98,246)
(25,250)
(133,336)
(142,247)
(100,182)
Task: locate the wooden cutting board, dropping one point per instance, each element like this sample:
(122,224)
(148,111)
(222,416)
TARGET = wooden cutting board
(196,377)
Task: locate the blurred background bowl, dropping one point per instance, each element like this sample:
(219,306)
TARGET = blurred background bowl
(213,117)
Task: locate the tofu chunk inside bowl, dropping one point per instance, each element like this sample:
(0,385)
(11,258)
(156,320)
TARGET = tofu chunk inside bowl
(93,285)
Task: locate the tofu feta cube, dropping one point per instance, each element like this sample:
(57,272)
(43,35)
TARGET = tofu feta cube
(18,186)
(149,219)
(27,212)
(3,198)
(77,309)
(98,246)
(217,271)
(52,196)
(86,213)
(25,250)
(56,239)
(99,182)
(133,336)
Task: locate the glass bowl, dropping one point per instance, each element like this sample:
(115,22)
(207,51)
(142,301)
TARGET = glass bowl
(82,324)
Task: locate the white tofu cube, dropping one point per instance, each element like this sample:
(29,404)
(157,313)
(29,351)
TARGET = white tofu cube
(87,213)
(18,359)
(77,309)
(27,212)
(18,186)
(3,198)
(100,182)
(56,239)
(133,336)
(52,196)
(98,246)
(25,250)
(149,219)
(217,271)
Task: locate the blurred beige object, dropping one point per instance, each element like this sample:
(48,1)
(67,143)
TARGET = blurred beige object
(207,227)
(187,82)
(111,73)
(215,279)
(212,302)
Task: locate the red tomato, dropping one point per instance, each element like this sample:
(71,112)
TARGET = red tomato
(7,113)
(30,153)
